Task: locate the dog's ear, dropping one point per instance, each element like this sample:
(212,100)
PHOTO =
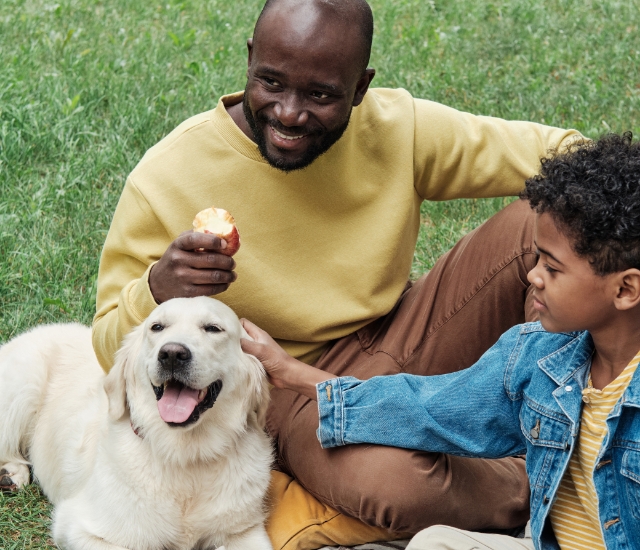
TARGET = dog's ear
(258,394)
(115,383)
(259,387)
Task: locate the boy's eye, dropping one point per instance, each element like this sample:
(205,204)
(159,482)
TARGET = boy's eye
(550,269)
(320,95)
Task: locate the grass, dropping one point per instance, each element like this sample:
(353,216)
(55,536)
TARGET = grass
(87,86)
(24,520)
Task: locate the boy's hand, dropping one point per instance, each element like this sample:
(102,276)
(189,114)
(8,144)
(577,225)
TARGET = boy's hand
(283,371)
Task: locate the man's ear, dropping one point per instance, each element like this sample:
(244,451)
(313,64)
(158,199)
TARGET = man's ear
(249,51)
(628,294)
(115,383)
(362,86)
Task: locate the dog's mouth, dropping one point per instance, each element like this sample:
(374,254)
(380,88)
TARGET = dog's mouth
(180,405)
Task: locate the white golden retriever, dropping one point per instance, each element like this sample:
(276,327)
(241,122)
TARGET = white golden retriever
(166,452)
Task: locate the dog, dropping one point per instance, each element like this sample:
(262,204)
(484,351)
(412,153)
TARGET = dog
(166,452)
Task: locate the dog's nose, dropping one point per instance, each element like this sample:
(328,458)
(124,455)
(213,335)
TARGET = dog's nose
(174,356)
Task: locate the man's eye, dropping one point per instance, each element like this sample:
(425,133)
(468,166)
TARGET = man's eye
(157,327)
(320,95)
(271,82)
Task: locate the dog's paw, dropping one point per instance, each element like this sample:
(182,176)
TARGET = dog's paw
(13,477)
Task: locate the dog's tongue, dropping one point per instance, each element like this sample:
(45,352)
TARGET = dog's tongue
(177,403)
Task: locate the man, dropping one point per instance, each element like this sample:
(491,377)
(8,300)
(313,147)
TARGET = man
(325,179)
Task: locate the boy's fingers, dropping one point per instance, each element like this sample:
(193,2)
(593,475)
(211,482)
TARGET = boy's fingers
(249,346)
(252,330)
(256,332)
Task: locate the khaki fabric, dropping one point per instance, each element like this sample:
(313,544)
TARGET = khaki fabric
(440,537)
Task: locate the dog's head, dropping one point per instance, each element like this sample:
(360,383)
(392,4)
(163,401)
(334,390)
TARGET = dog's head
(181,361)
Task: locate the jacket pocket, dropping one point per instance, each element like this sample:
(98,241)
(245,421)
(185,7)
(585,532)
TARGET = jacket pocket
(631,472)
(543,427)
(548,439)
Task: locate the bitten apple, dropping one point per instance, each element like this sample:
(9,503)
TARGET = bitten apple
(219,222)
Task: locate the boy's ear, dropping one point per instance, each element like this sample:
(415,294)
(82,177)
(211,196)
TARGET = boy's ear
(628,295)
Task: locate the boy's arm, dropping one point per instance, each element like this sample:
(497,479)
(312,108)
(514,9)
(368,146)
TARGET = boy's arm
(284,371)
(466,413)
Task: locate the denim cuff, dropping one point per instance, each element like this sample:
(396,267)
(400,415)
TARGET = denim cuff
(330,413)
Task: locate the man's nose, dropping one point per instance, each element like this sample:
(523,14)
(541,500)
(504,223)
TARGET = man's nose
(291,110)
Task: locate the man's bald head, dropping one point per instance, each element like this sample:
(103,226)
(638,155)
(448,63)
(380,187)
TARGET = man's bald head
(354,14)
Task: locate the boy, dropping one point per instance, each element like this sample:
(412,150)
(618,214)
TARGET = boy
(561,390)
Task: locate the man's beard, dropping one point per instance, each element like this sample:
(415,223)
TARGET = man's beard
(317,148)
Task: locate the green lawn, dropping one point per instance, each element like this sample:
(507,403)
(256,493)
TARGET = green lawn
(86,87)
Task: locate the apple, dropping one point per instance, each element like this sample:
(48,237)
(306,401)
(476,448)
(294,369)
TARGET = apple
(218,221)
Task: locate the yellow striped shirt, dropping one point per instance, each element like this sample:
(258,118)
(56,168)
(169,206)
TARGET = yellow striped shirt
(574,515)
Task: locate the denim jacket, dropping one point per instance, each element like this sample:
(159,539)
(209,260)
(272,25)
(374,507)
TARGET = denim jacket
(524,395)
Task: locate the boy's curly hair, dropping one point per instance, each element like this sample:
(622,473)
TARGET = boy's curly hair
(592,191)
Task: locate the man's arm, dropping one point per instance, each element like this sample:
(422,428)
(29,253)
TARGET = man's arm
(460,155)
(284,371)
(142,265)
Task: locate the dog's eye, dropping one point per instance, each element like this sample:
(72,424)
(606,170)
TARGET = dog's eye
(212,328)
(157,327)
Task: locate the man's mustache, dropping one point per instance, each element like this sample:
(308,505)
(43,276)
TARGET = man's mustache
(289,130)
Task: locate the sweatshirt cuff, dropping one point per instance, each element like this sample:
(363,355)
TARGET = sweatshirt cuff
(141,301)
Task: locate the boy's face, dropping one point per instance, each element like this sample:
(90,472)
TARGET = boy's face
(568,294)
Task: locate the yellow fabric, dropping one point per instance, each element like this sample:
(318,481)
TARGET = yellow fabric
(574,515)
(326,249)
(298,521)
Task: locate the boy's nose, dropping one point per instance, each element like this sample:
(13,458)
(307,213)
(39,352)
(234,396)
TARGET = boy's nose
(534,277)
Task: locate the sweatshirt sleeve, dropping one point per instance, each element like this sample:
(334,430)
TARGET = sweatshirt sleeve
(465,413)
(136,240)
(460,155)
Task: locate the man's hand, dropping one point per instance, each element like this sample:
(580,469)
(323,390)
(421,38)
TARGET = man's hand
(192,266)
(283,370)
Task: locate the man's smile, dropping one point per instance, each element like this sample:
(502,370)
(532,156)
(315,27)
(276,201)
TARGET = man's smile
(284,136)
(287,142)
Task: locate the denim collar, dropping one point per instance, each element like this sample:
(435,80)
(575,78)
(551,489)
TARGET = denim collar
(571,361)
(632,395)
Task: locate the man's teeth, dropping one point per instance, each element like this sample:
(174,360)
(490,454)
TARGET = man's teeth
(281,135)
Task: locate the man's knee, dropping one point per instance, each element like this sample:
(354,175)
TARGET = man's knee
(404,490)
(407,491)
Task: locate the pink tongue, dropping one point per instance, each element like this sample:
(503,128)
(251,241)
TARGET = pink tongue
(177,403)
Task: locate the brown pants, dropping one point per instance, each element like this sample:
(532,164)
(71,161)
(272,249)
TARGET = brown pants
(442,323)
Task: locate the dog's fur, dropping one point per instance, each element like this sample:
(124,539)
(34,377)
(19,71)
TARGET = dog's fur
(161,487)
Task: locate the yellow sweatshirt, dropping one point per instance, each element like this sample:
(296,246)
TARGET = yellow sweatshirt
(326,249)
